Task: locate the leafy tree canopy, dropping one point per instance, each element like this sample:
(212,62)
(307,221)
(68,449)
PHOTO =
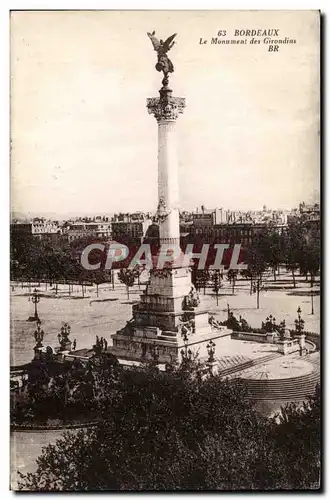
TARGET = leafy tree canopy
(177,430)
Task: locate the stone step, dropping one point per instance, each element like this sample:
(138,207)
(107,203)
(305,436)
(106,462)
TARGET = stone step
(280,382)
(283,397)
(287,389)
(283,381)
(294,387)
(248,364)
(283,389)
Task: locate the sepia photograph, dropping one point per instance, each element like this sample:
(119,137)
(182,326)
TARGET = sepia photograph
(165,239)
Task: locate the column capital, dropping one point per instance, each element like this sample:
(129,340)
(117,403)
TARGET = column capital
(166,107)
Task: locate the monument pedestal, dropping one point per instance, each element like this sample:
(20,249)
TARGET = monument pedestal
(162,324)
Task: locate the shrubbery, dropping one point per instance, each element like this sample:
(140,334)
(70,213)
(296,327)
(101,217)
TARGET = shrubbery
(177,430)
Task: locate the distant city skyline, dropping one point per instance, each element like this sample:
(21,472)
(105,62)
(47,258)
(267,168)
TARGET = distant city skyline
(83,142)
(68,215)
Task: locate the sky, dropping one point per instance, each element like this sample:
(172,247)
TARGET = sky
(82,140)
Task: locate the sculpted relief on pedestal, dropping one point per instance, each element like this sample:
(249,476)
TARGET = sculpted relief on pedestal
(191,300)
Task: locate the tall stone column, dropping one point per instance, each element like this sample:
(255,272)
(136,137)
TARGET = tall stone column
(168,316)
(166,110)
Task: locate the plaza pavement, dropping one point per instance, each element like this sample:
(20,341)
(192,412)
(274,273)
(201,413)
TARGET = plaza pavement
(103,315)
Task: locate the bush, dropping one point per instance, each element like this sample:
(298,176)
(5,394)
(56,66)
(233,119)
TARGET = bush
(176,430)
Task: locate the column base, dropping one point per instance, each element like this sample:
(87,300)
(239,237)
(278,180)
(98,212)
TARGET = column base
(170,241)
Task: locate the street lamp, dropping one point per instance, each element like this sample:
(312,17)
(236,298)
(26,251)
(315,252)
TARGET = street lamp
(312,297)
(63,337)
(65,331)
(299,323)
(35,297)
(155,353)
(39,334)
(184,335)
(186,354)
(274,321)
(281,329)
(210,351)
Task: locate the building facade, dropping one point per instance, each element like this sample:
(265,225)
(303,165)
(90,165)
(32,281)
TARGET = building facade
(40,228)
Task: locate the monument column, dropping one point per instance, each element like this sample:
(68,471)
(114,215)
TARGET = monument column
(168,316)
(166,110)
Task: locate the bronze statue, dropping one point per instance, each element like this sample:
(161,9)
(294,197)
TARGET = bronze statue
(191,300)
(164,64)
(215,323)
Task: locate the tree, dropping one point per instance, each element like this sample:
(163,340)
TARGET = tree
(257,265)
(298,439)
(272,248)
(257,289)
(138,271)
(26,255)
(302,249)
(232,277)
(217,284)
(247,275)
(98,277)
(67,391)
(292,243)
(291,264)
(127,277)
(177,430)
(310,259)
(200,278)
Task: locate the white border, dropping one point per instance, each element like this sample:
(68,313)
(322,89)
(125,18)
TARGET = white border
(5,7)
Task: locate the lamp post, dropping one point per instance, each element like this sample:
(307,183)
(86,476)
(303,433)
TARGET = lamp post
(35,297)
(65,330)
(155,353)
(210,363)
(210,351)
(281,329)
(184,334)
(63,337)
(185,353)
(312,297)
(299,323)
(39,334)
(274,324)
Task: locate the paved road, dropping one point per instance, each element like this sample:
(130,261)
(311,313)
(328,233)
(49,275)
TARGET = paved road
(25,447)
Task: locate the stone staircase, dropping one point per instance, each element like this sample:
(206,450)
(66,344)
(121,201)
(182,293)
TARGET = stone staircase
(289,389)
(237,368)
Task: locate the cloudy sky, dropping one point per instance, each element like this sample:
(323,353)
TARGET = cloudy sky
(82,140)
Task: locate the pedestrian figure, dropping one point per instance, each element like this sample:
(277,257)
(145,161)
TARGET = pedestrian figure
(105,345)
(74,345)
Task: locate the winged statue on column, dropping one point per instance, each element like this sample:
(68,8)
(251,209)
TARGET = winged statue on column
(164,64)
